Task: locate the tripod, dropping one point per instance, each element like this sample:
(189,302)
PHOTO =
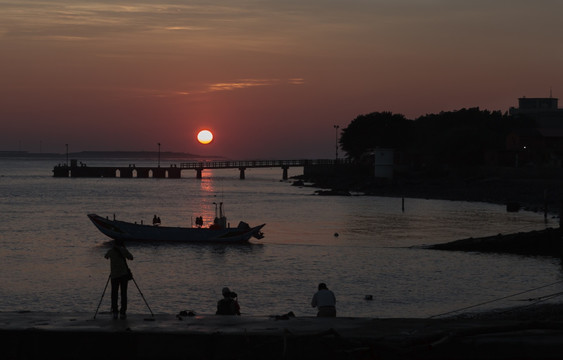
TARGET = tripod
(140,292)
(107,282)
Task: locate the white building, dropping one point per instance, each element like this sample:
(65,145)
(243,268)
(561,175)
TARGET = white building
(384,160)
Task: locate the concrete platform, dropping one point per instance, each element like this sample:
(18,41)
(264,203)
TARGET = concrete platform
(39,335)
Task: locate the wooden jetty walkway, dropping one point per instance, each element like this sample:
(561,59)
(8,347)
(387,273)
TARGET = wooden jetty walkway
(175,171)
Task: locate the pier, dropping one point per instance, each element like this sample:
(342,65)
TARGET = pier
(175,171)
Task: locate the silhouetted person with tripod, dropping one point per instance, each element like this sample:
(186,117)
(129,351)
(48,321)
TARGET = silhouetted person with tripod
(120,276)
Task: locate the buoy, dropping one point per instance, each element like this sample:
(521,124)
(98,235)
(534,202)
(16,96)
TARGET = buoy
(335,234)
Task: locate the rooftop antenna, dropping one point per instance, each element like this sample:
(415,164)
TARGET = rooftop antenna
(550,94)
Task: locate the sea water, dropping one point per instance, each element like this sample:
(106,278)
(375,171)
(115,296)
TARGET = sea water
(52,256)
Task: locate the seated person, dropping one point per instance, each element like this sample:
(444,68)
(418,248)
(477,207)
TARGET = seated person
(325,301)
(228,305)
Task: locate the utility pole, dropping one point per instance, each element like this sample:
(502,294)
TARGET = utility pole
(336,127)
(158,154)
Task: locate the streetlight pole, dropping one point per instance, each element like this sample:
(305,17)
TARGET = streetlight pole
(336,127)
(66,154)
(158,154)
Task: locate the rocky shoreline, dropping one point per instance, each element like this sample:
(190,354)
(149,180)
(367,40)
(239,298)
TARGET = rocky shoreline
(531,194)
(547,242)
(538,195)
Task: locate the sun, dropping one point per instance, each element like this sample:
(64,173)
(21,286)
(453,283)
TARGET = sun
(205,137)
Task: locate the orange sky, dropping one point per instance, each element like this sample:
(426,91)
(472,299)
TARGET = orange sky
(270,78)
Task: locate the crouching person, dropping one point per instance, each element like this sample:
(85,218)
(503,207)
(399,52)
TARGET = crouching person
(228,305)
(325,301)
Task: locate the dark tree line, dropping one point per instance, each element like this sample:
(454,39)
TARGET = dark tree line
(454,137)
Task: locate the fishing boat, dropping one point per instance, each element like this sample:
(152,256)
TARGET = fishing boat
(218,232)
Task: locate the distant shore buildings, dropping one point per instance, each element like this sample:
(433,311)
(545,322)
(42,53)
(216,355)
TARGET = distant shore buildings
(544,110)
(528,148)
(541,145)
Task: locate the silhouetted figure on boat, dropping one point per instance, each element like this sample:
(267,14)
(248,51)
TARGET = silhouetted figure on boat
(199,221)
(220,221)
(325,301)
(228,305)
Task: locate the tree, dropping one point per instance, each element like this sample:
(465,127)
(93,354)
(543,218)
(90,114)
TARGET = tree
(378,129)
(461,137)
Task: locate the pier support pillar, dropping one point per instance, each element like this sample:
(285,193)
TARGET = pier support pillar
(125,172)
(242,172)
(142,173)
(108,172)
(174,173)
(159,173)
(198,173)
(61,171)
(284,176)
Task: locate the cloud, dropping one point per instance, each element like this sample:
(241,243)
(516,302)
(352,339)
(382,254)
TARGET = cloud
(268,26)
(241,84)
(238,85)
(296,81)
(185,28)
(235,85)
(94,19)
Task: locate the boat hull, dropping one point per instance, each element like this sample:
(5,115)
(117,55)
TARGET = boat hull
(126,231)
